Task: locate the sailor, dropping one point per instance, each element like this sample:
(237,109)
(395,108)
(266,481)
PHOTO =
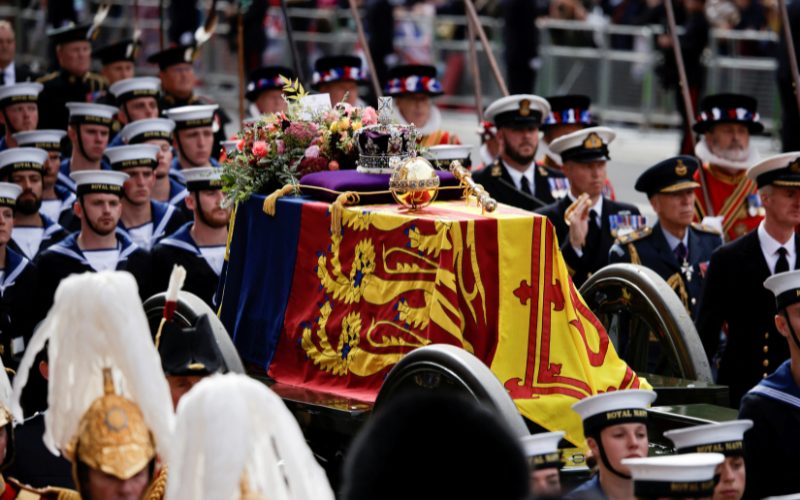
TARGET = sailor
(544,460)
(98,246)
(137,99)
(726,122)
(144,220)
(193,138)
(73,82)
(675,476)
(568,114)
(339,77)
(733,294)
(118,61)
(89,129)
(178,81)
(198,246)
(56,200)
(18,282)
(18,110)
(413,88)
(158,131)
(33,231)
(265,90)
(514,178)
(583,218)
(675,248)
(723,437)
(266,455)
(110,413)
(615,426)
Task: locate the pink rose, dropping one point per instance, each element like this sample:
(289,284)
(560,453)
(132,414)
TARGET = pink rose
(240,145)
(312,152)
(280,147)
(369,116)
(260,149)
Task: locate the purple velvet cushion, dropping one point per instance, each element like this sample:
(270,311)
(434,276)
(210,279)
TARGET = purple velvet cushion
(350,180)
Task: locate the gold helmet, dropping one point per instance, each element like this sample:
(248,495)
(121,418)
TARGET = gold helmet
(112,436)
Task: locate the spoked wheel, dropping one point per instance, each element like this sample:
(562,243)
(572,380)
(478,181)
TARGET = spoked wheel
(449,369)
(647,323)
(190,307)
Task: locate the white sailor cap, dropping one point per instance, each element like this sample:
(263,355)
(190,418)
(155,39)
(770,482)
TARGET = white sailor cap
(785,287)
(203,178)
(674,476)
(443,154)
(724,437)
(612,408)
(200,115)
(589,144)
(542,449)
(15,159)
(19,92)
(47,139)
(520,110)
(9,192)
(131,88)
(132,156)
(229,146)
(99,181)
(779,170)
(91,113)
(148,129)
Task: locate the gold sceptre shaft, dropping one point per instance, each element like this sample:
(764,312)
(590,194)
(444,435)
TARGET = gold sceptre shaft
(472,188)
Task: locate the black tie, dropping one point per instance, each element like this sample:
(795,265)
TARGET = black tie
(680,252)
(593,234)
(525,186)
(2,78)
(783,263)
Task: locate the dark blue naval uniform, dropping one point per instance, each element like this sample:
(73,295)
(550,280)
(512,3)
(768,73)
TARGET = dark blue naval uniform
(53,233)
(166,219)
(64,170)
(649,247)
(177,192)
(588,490)
(17,300)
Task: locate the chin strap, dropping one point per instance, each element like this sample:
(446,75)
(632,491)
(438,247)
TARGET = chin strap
(791,328)
(9,127)
(80,142)
(198,209)
(86,218)
(183,155)
(605,460)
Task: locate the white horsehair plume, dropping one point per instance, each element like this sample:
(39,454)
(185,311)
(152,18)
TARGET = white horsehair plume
(231,428)
(97,321)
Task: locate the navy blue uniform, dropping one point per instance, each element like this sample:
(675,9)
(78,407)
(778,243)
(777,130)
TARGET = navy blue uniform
(166,219)
(499,184)
(17,300)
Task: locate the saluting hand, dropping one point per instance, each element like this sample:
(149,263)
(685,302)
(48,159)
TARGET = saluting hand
(578,220)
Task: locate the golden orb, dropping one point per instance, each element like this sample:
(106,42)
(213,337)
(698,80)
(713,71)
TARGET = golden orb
(414,183)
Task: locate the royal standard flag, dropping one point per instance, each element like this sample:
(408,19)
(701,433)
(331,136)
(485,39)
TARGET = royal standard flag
(344,306)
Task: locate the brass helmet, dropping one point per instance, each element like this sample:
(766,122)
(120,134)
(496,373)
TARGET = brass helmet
(112,436)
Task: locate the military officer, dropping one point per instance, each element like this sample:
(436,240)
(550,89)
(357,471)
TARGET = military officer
(158,131)
(265,90)
(56,200)
(88,132)
(18,282)
(178,81)
(514,178)
(674,248)
(193,138)
(583,219)
(118,61)
(73,82)
(198,246)
(732,294)
(339,76)
(774,403)
(413,88)
(137,99)
(544,460)
(144,220)
(33,231)
(726,122)
(98,246)
(18,110)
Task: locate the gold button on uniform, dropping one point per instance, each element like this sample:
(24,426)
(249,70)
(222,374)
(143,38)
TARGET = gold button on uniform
(766,349)
(766,335)
(765,375)
(766,363)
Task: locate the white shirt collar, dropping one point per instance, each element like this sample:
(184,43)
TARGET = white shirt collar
(516,175)
(673,241)
(10,74)
(770,246)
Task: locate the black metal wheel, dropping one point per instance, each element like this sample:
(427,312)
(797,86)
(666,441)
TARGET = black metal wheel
(190,307)
(647,323)
(447,368)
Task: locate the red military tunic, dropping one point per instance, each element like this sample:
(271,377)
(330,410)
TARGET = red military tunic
(735,197)
(438,138)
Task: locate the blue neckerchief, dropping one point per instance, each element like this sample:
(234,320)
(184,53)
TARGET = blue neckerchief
(161,214)
(780,385)
(177,192)
(116,141)
(50,226)
(69,248)
(3,143)
(66,196)
(16,263)
(175,169)
(182,238)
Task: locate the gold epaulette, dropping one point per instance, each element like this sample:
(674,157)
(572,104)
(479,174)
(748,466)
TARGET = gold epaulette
(705,228)
(543,171)
(641,233)
(50,492)
(158,488)
(47,77)
(95,77)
